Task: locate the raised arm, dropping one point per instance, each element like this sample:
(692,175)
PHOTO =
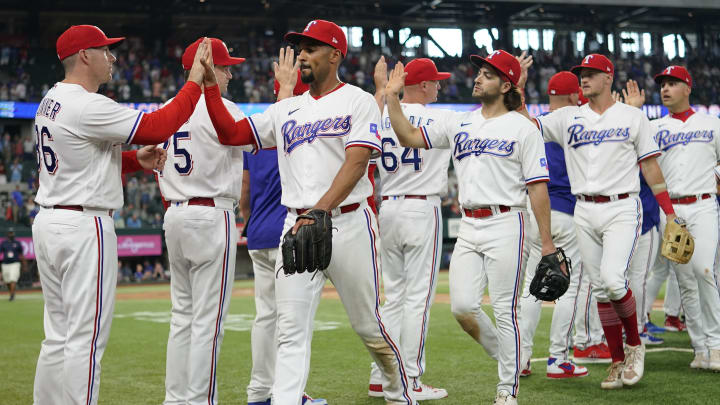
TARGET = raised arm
(286,72)
(408,135)
(380,76)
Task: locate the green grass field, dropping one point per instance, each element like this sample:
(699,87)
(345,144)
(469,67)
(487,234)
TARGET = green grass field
(134,364)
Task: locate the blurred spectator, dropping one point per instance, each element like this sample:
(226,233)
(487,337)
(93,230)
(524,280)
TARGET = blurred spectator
(16,171)
(133,221)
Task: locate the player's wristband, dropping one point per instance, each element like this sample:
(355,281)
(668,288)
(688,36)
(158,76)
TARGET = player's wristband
(130,162)
(663,199)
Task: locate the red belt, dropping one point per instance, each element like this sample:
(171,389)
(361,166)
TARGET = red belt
(343,210)
(484,212)
(75,208)
(602,198)
(408,196)
(208,202)
(689,199)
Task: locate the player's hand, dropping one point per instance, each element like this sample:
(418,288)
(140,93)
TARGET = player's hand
(151,157)
(286,69)
(300,222)
(633,95)
(206,60)
(548,249)
(380,75)
(197,70)
(671,218)
(525,62)
(616,96)
(397,80)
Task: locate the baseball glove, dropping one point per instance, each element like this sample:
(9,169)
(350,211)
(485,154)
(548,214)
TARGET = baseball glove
(678,244)
(310,248)
(550,282)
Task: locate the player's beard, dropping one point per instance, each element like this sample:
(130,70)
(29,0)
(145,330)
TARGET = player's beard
(487,97)
(307,78)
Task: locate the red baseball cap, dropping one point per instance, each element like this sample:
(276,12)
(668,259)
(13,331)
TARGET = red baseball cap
(79,37)
(220,53)
(582,100)
(563,83)
(422,69)
(677,72)
(299,89)
(597,62)
(507,64)
(324,31)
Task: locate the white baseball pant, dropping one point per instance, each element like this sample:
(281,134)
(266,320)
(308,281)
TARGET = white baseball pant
(355,271)
(561,327)
(200,287)
(76,253)
(491,252)
(642,261)
(588,329)
(263,336)
(411,231)
(697,278)
(661,271)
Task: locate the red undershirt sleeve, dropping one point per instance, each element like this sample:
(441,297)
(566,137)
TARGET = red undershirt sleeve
(130,163)
(158,126)
(228,130)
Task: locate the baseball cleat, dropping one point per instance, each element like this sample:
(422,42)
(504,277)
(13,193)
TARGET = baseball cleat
(599,353)
(306,400)
(504,398)
(674,324)
(565,369)
(376,391)
(614,379)
(634,365)
(526,371)
(649,339)
(654,329)
(701,361)
(714,361)
(424,392)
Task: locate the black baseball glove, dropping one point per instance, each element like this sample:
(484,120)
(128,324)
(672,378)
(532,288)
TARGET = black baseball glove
(550,282)
(310,248)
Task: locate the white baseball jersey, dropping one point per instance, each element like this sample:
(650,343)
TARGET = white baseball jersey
(495,158)
(79,135)
(601,150)
(690,153)
(312,134)
(412,171)
(197,164)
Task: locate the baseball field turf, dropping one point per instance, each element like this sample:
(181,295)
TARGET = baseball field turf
(133,368)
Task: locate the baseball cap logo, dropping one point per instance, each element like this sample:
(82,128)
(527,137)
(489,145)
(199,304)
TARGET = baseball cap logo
(310,24)
(587,59)
(493,54)
(669,70)
(511,73)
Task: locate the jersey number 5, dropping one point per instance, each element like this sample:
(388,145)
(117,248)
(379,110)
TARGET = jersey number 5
(44,153)
(389,160)
(179,152)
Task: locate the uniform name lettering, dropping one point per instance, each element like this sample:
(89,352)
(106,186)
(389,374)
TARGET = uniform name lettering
(465,147)
(579,136)
(295,135)
(666,140)
(48,108)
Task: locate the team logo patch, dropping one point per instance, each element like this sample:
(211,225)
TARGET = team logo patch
(579,136)
(374,130)
(295,135)
(666,140)
(465,147)
(543,163)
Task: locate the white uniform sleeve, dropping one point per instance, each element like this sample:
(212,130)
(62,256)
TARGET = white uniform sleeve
(438,134)
(365,125)
(553,125)
(717,173)
(263,127)
(645,145)
(103,120)
(532,155)
(717,139)
(237,115)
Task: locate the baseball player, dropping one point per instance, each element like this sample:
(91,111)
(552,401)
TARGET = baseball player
(264,218)
(12,252)
(661,272)
(691,151)
(79,135)
(324,141)
(198,184)
(597,136)
(563,89)
(491,250)
(410,223)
